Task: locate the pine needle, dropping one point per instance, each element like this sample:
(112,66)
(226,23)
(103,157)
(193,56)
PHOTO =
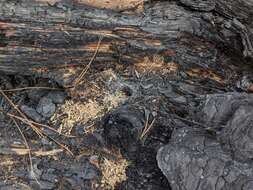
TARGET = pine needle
(84,71)
(35,129)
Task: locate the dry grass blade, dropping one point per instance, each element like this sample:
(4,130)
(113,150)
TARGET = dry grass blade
(147,128)
(79,78)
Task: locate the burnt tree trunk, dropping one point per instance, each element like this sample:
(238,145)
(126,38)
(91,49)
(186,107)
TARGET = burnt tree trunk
(56,40)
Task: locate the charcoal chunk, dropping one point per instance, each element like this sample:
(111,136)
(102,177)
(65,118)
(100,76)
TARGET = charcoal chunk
(31,113)
(232,114)
(194,160)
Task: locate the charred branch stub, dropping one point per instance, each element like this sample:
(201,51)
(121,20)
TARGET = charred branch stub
(166,83)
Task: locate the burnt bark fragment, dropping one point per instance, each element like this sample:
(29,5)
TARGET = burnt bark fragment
(231,115)
(194,160)
(216,154)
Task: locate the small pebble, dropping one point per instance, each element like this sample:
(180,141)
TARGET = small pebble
(46,107)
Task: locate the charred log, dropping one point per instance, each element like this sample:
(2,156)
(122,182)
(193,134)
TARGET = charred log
(56,40)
